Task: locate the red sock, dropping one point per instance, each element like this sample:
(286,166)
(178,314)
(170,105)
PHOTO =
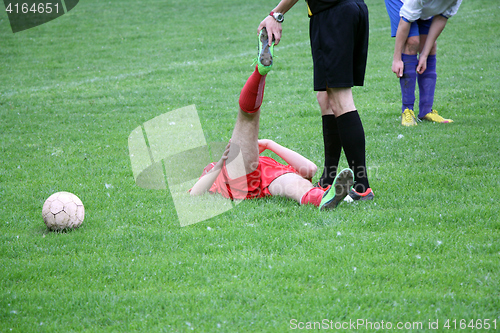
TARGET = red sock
(313,196)
(253,92)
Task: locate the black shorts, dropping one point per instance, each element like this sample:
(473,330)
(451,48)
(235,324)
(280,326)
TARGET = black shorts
(339,45)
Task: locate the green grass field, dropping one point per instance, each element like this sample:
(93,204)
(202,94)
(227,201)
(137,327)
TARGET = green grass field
(426,249)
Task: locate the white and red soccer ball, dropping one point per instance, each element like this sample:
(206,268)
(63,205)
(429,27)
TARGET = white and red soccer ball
(63,210)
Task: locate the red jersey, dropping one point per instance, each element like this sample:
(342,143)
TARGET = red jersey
(253,185)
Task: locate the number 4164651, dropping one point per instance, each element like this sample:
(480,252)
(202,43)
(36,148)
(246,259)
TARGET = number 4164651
(25,8)
(477,324)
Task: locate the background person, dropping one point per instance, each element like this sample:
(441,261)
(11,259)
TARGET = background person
(417,24)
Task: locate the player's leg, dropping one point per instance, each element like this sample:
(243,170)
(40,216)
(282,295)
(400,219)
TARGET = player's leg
(293,186)
(409,80)
(243,157)
(331,141)
(409,57)
(427,80)
(351,133)
(243,154)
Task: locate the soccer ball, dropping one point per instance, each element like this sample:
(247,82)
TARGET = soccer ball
(63,210)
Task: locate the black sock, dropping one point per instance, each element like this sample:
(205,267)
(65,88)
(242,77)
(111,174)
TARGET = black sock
(352,136)
(333,148)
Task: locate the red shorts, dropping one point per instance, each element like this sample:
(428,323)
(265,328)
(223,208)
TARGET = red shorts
(253,185)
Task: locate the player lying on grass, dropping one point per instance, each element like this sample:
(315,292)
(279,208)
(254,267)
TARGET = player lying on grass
(241,173)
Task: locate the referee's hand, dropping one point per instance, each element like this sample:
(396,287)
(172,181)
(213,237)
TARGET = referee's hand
(273,28)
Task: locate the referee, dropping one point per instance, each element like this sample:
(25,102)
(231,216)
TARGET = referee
(338,31)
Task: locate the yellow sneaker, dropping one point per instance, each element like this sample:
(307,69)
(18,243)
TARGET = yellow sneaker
(408,118)
(434,117)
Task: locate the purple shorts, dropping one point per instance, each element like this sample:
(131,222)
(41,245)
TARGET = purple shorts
(417,28)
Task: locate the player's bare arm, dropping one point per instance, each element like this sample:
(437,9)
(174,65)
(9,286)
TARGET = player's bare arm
(401,37)
(437,26)
(272,26)
(306,168)
(204,183)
